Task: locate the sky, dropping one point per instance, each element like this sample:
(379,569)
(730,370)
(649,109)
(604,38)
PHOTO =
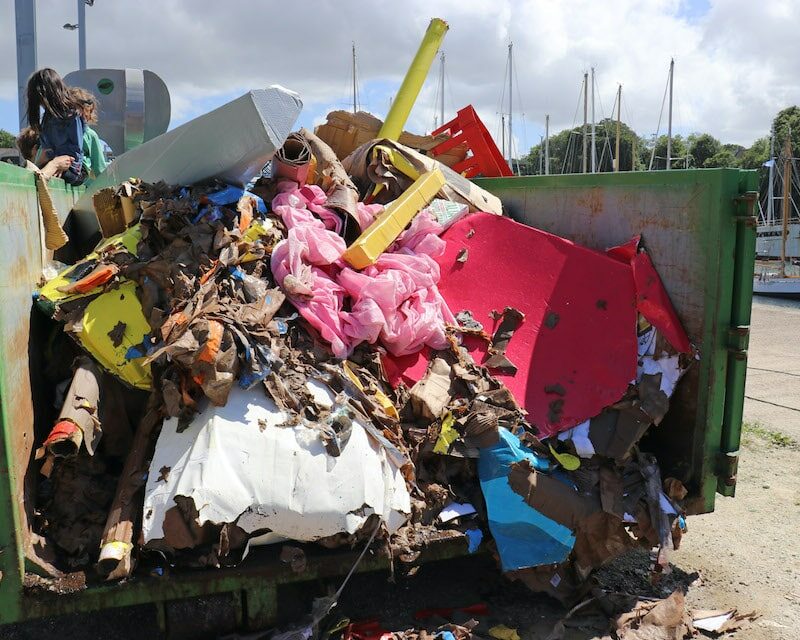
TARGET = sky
(737,62)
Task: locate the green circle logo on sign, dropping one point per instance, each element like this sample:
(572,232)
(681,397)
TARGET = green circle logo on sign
(105,86)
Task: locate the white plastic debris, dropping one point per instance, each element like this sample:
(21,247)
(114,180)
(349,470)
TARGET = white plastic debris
(456,510)
(241,464)
(232,143)
(580,439)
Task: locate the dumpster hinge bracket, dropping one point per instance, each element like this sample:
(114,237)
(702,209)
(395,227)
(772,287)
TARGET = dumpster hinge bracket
(748,199)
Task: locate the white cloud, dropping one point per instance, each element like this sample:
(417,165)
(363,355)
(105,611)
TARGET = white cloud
(737,64)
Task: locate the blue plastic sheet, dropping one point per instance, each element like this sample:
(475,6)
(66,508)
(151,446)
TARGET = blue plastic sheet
(474,538)
(231,195)
(524,537)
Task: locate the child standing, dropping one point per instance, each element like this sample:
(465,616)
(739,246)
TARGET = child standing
(93,154)
(55,114)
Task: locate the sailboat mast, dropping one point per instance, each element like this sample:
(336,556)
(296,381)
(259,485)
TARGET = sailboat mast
(594,146)
(547,145)
(585,118)
(541,155)
(787,194)
(619,123)
(771,187)
(441,89)
(503,133)
(669,125)
(355,90)
(510,106)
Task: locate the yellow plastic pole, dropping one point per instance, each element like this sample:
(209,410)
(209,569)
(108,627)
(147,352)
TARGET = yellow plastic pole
(412,83)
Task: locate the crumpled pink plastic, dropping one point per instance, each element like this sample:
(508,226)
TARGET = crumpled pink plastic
(365,214)
(395,301)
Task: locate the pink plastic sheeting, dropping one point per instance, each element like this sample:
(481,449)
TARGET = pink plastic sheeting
(395,301)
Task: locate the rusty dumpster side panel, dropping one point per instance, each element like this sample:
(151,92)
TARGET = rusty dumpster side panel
(23,256)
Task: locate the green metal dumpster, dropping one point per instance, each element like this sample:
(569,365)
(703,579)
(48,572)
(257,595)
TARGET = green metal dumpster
(697,225)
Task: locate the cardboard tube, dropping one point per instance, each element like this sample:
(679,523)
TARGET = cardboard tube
(293,159)
(115,548)
(54,236)
(412,83)
(78,421)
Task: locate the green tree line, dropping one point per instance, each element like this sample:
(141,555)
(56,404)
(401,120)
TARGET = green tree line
(697,150)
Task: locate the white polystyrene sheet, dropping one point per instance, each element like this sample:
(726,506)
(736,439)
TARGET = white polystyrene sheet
(232,143)
(268,476)
(668,366)
(580,439)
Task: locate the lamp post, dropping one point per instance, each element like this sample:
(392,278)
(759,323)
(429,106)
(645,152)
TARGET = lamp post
(80,26)
(25,18)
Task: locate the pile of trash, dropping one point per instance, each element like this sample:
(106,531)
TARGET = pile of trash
(350,352)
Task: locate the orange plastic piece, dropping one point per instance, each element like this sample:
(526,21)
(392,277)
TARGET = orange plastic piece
(207,275)
(98,276)
(61,431)
(213,342)
(485,159)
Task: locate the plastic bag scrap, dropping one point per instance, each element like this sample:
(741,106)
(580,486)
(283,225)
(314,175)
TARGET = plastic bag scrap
(394,302)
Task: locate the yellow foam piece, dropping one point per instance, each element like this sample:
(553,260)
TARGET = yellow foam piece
(395,217)
(101,315)
(257,229)
(566,460)
(447,436)
(129,239)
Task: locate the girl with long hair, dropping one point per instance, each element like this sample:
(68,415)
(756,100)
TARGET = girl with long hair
(55,114)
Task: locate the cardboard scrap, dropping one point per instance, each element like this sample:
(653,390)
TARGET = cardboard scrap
(661,620)
(431,395)
(345,131)
(509,323)
(367,168)
(81,410)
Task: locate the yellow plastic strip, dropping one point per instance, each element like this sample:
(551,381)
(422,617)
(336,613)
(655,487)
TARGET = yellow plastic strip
(381,233)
